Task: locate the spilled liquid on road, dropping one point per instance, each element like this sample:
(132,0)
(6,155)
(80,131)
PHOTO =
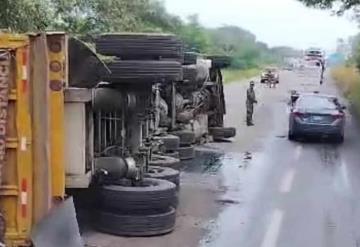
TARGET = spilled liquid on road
(241,175)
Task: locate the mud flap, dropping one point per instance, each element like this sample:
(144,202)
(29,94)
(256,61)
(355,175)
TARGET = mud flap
(86,69)
(59,228)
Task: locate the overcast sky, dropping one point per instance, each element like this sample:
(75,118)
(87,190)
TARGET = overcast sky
(276,22)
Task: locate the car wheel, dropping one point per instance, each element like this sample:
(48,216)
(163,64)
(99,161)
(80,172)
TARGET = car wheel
(186,137)
(340,138)
(164,161)
(137,225)
(186,153)
(149,194)
(165,173)
(291,136)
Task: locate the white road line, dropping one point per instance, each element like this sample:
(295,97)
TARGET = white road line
(273,230)
(345,174)
(298,152)
(287,182)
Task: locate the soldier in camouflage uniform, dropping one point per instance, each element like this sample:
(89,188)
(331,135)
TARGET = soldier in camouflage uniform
(250,101)
(322,72)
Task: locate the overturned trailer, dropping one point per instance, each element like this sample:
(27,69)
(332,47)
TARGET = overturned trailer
(64,133)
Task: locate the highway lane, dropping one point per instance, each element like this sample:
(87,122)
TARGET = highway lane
(282,193)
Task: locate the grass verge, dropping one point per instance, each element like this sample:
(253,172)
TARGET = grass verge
(348,80)
(233,75)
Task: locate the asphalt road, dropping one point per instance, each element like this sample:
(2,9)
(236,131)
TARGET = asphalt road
(281,193)
(261,190)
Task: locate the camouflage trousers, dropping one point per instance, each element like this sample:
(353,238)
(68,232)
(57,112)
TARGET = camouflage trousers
(249,112)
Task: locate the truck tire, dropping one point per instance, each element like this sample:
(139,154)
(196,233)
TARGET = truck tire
(165,173)
(107,99)
(154,194)
(141,46)
(189,73)
(220,61)
(186,153)
(222,132)
(137,225)
(132,71)
(173,154)
(164,161)
(186,137)
(171,142)
(190,58)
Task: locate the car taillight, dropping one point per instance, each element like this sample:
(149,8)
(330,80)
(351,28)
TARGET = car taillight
(298,114)
(338,115)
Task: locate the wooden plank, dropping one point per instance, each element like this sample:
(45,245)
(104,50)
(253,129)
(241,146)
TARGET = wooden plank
(39,78)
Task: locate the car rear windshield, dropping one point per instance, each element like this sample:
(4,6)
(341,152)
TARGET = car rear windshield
(316,103)
(314,53)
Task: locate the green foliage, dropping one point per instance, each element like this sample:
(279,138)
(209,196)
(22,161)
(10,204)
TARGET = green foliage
(338,5)
(356,56)
(155,18)
(233,75)
(25,15)
(246,51)
(194,35)
(348,80)
(95,16)
(85,18)
(75,16)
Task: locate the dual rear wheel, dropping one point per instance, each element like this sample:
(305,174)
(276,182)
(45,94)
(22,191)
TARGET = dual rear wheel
(146,208)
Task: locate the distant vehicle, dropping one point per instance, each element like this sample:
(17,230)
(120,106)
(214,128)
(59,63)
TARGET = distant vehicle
(288,67)
(315,114)
(270,73)
(315,55)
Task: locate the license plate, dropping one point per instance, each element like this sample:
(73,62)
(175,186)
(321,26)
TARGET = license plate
(317,118)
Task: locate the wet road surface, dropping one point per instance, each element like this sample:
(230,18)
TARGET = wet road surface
(261,190)
(282,193)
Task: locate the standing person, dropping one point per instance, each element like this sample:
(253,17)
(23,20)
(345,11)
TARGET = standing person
(250,101)
(322,64)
